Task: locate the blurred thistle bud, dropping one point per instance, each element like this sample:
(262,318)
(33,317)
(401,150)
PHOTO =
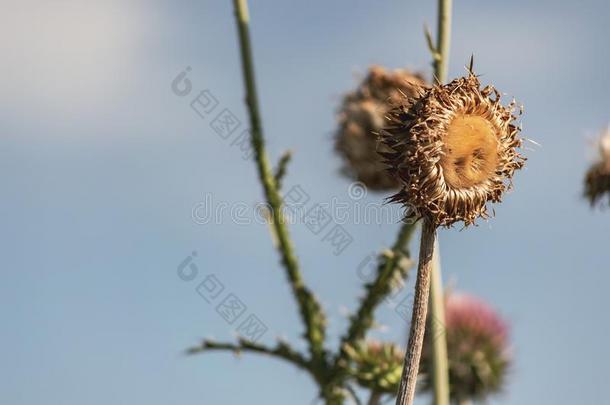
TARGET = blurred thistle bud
(376,365)
(362,115)
(454,150)
(597,179)
(477,347)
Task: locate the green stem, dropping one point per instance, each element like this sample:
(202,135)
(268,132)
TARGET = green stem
(389,269)
(282,350)
(310,309)
(441,64)
(440,364)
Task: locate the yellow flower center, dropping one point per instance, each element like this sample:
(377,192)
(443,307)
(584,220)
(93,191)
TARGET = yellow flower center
(470,151)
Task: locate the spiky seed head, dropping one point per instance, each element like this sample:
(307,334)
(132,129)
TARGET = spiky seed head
(361,117)
(597,179)
(454,150)
(477,349)
(376,365)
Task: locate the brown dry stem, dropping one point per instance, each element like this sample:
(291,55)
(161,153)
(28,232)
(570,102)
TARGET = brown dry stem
(406,392)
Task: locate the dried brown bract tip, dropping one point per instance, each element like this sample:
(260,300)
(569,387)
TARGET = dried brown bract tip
(597,179)
(361,117)
(454,150)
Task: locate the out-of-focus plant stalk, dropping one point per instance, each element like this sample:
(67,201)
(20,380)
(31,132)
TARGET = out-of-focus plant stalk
(440,369)
(429,283)
(310,309)
(441,64)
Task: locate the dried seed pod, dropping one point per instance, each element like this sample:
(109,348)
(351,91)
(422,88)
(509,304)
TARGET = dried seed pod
(477,349)
(597,179)
(454,149)
(376,366)
(362,115)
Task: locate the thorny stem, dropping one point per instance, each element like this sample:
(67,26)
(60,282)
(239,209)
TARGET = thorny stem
(406,392)
(379,288)
(282,166)
(376,291)
(282,350)
(310,309)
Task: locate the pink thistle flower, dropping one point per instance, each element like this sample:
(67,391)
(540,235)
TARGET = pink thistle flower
(477,347)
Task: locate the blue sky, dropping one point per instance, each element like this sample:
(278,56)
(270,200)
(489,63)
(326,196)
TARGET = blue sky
(102,165)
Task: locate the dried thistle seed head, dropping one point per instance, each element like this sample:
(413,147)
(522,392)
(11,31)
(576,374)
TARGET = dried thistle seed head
(454,150)
(362,115)
(477,349)
(376,365)
(597,179)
